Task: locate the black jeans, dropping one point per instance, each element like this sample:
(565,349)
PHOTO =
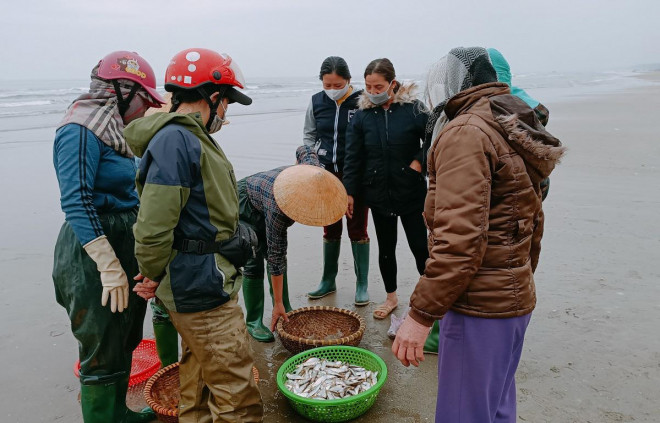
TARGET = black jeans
(386,233)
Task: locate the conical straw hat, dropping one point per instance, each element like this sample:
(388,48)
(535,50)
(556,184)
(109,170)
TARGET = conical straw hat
(310,195)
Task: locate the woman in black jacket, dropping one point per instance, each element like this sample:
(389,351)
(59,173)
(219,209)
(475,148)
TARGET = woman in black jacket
(383,164)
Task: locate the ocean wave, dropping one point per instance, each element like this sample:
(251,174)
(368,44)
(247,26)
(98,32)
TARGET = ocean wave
(14,114)
(265,86)
(29,93)
(27,103)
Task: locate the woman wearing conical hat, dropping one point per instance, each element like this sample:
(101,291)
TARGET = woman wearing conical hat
(270,202)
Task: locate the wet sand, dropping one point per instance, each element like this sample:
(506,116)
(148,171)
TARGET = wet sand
(591,354)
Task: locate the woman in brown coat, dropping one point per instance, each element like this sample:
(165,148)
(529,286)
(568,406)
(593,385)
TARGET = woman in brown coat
(483,208)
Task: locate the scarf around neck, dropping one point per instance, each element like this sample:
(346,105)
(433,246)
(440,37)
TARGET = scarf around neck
(98,111)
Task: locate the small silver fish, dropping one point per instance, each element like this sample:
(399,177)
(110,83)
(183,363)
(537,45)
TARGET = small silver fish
(328,380)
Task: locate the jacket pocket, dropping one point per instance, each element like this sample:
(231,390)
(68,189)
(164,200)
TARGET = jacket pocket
(197,282)
(407,184)
(523,229)
(369,176)
(413,174)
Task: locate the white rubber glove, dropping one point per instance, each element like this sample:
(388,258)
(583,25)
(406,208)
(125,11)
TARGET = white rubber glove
(113,277)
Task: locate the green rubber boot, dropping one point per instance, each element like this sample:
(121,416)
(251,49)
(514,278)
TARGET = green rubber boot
(98,402)
(361,264)
(431,345)
(330,269)
(167,342)
(253,294)
(125,414)
(285,292)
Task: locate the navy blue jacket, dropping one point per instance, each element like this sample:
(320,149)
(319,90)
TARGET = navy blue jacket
(325,128)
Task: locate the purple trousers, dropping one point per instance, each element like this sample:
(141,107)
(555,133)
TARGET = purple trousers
(477,362)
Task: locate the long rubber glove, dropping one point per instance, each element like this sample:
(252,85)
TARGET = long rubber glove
(113,277)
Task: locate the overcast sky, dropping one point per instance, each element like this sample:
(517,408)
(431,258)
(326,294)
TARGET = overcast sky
(52,39)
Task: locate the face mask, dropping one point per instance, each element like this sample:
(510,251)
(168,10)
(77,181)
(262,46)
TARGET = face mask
(337,94)
(380,98)
(216,125)
(217,122)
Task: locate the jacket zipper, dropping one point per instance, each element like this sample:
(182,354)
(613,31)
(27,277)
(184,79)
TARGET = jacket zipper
(386,159)
(334,147)
(387,129)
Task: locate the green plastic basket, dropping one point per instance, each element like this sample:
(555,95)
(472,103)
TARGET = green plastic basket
(338,410)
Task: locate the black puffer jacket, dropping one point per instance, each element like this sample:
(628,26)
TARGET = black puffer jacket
(380,145)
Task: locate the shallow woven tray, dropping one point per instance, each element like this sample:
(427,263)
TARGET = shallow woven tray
(162,393)
(320,326)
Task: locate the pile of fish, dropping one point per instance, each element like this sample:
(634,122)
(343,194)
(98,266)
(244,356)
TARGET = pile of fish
(327,380)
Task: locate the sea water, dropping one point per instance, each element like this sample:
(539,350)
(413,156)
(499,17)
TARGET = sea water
(39,104)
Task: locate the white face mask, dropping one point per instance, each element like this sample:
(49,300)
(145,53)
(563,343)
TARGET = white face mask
(337,94)
(380,98)
(218,122)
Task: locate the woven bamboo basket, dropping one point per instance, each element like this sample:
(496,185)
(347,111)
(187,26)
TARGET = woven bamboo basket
(320,326)
(162,393)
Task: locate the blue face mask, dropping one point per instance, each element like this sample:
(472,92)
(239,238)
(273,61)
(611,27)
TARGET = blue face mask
(380,98)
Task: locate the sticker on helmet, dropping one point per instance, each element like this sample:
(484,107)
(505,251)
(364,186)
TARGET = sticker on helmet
(192,68)
(193,56)
(130,65)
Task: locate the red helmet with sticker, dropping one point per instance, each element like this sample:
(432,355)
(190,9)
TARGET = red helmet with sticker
(195,67)
(131,66)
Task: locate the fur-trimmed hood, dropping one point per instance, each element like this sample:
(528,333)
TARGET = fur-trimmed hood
(540,150)
(540,153)
(517,122)
(405,94)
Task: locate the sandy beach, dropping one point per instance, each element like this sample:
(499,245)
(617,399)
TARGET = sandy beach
(591,352)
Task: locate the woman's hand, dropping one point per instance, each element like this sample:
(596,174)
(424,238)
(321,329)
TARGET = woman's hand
(408,345)
(146,288)
(349,207)
(416,166)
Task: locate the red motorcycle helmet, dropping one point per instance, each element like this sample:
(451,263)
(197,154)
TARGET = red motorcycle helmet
(194,68)
(131,66)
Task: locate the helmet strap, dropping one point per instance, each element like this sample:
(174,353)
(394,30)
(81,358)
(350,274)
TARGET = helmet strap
(175,102)
(124,103)
(212,105)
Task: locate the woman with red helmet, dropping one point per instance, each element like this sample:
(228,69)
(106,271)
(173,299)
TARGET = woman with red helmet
(188,215)
(94,263)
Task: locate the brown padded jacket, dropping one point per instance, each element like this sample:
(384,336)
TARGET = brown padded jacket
(483,207)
